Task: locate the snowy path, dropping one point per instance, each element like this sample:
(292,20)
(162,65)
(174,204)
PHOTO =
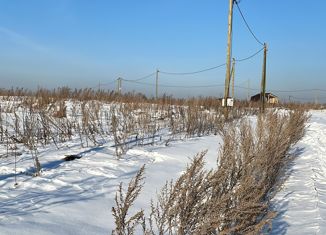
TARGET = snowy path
(302,201)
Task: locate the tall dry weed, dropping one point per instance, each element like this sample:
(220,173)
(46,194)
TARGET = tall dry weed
(235,197)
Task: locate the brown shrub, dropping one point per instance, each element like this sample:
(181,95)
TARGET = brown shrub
(235,197)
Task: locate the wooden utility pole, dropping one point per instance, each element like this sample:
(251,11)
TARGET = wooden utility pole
(232,76)
(119,83)
(316,96)
(156,91)
(228,59)
(263,82)
(248,91)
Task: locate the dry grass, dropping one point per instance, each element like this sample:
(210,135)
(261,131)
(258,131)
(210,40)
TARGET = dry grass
(235,197)
(124,224)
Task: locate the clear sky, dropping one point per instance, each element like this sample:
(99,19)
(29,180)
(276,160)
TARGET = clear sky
(81,43)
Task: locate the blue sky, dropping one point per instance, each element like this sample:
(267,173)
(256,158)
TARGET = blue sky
(81,43)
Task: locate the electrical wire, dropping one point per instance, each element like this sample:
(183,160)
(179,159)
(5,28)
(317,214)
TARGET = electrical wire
(175,86)
(211,68)
(103,84)
(142,78)
(195,72)
(314,98)
(108,83)
(246,23)
(280,91)
(249,57)
(247,88)
(201,86)
(298,98)
(303,90)
(215,85)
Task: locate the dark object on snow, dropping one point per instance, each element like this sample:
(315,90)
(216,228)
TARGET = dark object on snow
(71,157)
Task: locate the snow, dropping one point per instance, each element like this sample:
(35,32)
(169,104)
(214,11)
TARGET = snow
(302,200)
(76,197)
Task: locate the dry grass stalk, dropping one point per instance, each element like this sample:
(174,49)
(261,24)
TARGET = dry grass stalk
(123,202)
(234,198)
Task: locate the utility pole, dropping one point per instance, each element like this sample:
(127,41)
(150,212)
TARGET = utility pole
(119,85)
(316,96)
(263,81)
(232,75)
(248,91)
(156,91)
(228,59)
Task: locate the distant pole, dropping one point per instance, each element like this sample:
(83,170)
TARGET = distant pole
(232,73)
(156,92)
(119,85)
(316,96)
(263,81)
(228,58)
(248,91)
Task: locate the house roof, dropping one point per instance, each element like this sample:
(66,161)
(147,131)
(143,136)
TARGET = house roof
(267,94)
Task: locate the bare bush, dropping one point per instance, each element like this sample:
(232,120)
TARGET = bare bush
(235,197)
(123,202)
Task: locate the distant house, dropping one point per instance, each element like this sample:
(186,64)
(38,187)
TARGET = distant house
(269,97)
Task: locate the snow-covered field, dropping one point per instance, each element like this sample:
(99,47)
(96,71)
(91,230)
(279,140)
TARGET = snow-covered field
(76,197)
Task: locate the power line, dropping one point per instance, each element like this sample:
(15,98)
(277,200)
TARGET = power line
(103,84)
(303,90)
(175,86)
(201,86)
(280,91)
(189,73)
(212,85)
(247,88)
(142,78)
(249,57)
(141,83)
(286,91)
(194,72)
(299,98)
(245,21)
(108,83)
